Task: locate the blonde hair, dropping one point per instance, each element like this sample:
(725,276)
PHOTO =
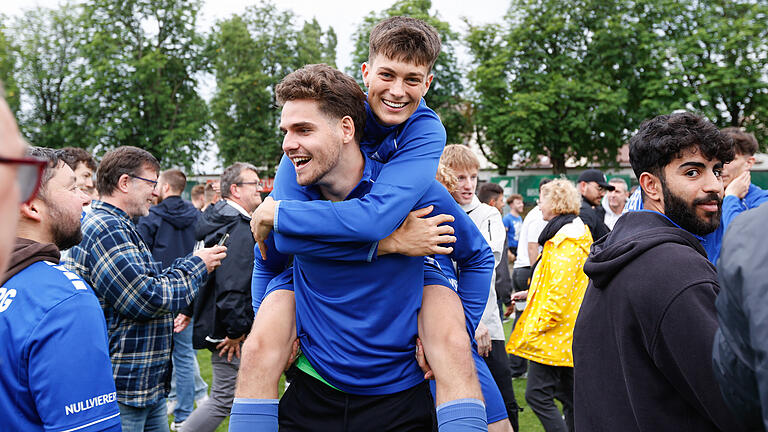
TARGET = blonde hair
(563,196)
(459,157)
(447,178)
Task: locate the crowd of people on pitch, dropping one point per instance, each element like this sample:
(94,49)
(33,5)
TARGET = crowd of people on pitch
(376,277)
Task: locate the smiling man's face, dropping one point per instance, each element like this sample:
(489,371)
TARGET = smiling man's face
(395,88)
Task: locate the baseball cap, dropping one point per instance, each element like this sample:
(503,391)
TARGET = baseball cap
(597,176)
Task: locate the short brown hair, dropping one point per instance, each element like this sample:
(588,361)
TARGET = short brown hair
(233,174)
(459,157)
(198,190)
(175,179)
(405,39)
(514,197)
(564,196)
(54,160)
(122,160)
(75,155)
(489,191)
(743,142)
(336,93)
(210,192)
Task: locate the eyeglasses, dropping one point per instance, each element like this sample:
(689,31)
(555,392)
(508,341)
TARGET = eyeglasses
(257,183)
(29,175)
(152,182)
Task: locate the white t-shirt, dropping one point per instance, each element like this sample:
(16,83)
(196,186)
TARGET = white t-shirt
(533,224)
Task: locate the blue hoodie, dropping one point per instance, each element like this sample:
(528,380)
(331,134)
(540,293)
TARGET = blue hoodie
(732,207)
(169,229)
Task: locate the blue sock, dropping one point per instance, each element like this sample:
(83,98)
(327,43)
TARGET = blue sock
(253,415)
(461,415)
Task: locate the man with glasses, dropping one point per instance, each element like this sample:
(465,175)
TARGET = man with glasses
(592,186)
(138,296)
(46,309)
(16,178)
(223,312)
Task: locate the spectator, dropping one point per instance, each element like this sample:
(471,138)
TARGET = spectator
(46,309)
(544,333)
(19,179)
(84,166)
(592,186)
(137,295)
(740,342)
(614,201)
(740,193)
(211,194)
(169,233)
(513,222)
(223,312)
(648,316)
(198,196)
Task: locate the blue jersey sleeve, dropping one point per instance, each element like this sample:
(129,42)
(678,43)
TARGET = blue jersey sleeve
(70,374)
(265,270)
(401,183)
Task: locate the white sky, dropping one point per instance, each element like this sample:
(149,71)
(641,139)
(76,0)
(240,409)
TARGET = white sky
(343,15)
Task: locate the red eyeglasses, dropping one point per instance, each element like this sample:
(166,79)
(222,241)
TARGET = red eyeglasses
(29,174)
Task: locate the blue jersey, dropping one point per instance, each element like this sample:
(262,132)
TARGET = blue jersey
(512,223)
(732,207)
(54,361)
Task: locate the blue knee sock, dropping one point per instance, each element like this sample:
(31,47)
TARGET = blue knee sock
(461,415)
(253,415)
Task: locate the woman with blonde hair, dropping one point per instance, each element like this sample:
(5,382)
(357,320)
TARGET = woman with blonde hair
(544,332)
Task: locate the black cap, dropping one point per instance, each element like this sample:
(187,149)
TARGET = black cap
(597,176)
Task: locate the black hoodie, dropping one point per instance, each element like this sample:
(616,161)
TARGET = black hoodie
(643,337)
(223,305)
(169,229)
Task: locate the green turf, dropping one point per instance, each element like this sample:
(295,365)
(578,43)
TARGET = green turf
(528,420)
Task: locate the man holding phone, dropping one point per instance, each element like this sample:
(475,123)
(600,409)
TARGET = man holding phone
(223,313)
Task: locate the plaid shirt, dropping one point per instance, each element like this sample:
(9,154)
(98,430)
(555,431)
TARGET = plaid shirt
(138,298)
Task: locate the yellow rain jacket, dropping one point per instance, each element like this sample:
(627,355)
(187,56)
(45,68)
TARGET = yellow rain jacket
(544,332)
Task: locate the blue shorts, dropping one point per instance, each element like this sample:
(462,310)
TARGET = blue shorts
(495,409)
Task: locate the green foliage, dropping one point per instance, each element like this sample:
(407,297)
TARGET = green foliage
(250,54)
(136,84)
(8,68)
(444,95)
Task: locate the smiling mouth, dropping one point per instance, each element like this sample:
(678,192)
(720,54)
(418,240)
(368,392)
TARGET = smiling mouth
(300,161)
(395,105)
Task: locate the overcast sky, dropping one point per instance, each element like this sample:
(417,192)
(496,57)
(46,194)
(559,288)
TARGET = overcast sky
(342,15)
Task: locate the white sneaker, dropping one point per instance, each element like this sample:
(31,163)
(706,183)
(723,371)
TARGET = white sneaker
(176,426)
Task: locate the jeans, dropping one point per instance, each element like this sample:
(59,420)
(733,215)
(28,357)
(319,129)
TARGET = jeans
(147,419)
(520,277)
(207,417)
(545,384)
(186,383)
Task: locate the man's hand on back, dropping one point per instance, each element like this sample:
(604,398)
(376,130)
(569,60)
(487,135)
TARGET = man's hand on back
(262,220)
(420,235)
(212,256)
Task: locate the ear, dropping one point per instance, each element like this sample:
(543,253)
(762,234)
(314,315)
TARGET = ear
(750,162)
(234,191)
(123,183)
(365,69)
(652,187)
(32,210)
(347,129)
(427,84)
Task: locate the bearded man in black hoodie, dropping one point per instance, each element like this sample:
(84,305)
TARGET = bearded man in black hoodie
(643,338)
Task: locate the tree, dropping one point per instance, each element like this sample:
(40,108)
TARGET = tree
(444,95)
(136,83)
(250,54)
(568,80)
(8,68)
(46,45)
(720,61)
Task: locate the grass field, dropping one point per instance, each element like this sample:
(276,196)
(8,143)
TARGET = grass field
(528,420)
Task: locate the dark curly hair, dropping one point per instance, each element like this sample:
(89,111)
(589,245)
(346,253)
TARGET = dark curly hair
(665,137)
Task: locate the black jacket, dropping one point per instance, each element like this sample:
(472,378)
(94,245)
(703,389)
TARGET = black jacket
(594,218)
(740,354)
(223,305)
(169,229)
(644,333)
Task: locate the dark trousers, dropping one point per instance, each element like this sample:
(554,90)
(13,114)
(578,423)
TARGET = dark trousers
(498,363)
(545,383)
(310,405)
(520,281)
